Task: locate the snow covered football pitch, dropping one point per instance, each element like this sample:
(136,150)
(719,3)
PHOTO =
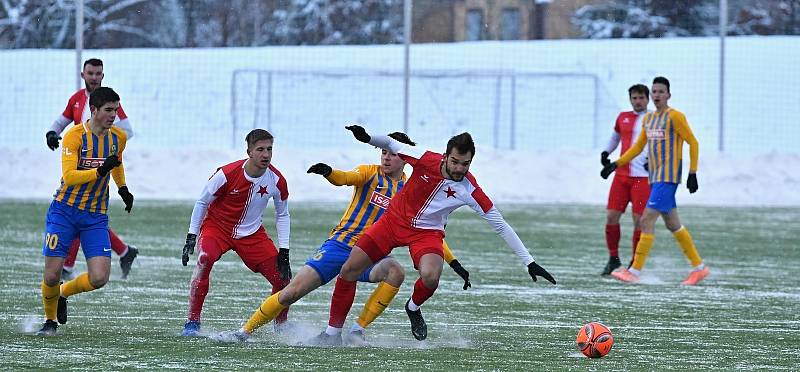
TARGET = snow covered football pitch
(746,315)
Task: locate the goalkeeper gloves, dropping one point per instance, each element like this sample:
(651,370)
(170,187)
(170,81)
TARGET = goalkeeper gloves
(604,158)
(320,168)
(463,273)
(52,139)
(691,183)
(110,163)
(127,197)
(283,264)
(535,270)
(358,132)
(608,169)
(188,248)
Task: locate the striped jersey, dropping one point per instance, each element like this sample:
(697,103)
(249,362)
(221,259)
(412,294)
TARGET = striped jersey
(664,133)
(83,152)
(372,193)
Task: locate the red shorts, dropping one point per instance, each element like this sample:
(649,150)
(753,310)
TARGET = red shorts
(254,249)
(624,190)
(386,234)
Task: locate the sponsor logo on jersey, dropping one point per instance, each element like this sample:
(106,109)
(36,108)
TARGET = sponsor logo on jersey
(379,200)
(90,163)
(656,134)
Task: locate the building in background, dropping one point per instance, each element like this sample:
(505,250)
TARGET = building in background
(473,20)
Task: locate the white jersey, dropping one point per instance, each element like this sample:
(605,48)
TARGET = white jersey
(626,129)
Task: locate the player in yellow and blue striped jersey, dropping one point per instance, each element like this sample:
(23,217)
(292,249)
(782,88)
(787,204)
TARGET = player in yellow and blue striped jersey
(664,131)
(91,154)
(373,188)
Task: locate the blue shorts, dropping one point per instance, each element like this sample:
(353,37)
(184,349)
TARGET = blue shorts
(662,196)
(330,257)
(64,223)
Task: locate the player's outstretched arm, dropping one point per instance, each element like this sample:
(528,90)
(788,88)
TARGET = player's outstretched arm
(322,169)
(685,132)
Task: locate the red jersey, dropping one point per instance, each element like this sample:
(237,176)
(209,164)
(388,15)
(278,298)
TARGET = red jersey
(626,129)
(234,202)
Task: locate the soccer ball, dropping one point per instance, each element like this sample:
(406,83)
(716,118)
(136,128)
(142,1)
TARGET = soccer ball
(594,340)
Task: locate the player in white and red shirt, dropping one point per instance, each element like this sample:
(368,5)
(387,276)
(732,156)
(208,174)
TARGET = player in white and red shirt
(77,111)
(228,217)
(630,183)
(417,217)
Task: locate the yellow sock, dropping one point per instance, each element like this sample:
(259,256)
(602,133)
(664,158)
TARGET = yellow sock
(78,285)
(380,298)
(265,313)
(50,300)
(687,246)
(642,250)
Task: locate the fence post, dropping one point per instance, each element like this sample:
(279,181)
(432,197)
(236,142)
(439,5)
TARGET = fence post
(497,91)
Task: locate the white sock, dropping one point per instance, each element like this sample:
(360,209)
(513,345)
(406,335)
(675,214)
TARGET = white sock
(412,306)
(699,267)
(125,252)
(333,331)
(635,272)
(357,327)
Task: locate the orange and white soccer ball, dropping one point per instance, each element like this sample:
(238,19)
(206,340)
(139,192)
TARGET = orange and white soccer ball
(594,340)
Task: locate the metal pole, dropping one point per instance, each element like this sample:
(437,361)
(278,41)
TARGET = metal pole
(723,27)
(513,111)
(497,91)
(406,62)
(78,39)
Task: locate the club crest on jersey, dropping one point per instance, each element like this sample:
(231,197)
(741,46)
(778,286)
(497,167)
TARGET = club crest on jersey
(379,200)
(90,163)
(656,134)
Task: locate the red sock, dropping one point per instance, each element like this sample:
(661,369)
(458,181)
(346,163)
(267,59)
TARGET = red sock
(343,295)
(116,243)
(612,240)
(421,293)
(636,234)
(69,261)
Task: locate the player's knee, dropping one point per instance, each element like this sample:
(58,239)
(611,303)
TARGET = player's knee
(395,274)
(52,279)
(350,272)
(430,278)
(98,281)
(612,217)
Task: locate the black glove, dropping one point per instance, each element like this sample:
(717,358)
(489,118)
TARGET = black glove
(608,169)
(647,164)
(358,132)
(283,264)
(52,139)
(321,169)
(691,183)
(110,163)
(127,197)
(534,269)
(402,137)
(188,248)
(604,158)
(462,272)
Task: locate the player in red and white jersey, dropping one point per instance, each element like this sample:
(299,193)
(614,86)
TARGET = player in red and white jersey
(417,218)
(228,217)
(77,111)
(630,183)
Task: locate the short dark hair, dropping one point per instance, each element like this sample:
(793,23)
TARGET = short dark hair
(256,135)
(661,80)
(402,137)
(639,88)
(461,142)
(94,62)
(101,96)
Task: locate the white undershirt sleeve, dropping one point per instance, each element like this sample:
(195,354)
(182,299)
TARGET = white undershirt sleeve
(282,221)
(387,143)
(59,124)
(612,142)
(206,197)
